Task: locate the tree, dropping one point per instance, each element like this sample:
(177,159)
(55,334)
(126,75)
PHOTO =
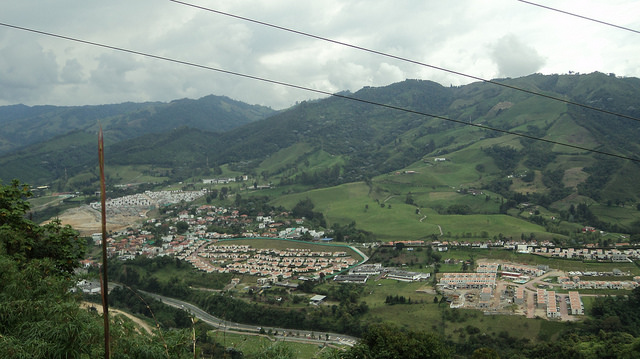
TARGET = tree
(382,341)
(40,315)
(304,208)
(24,240)
(182,227)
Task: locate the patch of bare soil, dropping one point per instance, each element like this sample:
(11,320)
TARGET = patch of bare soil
(86,220)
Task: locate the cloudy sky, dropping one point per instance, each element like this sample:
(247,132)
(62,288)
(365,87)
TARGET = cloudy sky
(486,39)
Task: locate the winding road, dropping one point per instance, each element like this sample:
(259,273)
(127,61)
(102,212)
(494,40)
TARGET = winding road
(284,334)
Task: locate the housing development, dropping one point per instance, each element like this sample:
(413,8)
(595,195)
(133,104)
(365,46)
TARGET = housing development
(493,287)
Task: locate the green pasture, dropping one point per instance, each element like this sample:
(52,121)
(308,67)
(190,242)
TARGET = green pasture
(459,226)
(287,155)
(44,201)
(392,219)
(429,316)
(621,186)
(623,216)
(565,130)
(253,345)
(136,173)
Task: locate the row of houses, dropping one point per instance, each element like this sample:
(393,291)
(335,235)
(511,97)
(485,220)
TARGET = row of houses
(599,284)
(467,280)
(549,301)
(268,263)
(599,254)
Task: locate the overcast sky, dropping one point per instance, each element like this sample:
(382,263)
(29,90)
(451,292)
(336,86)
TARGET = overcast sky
(484,38)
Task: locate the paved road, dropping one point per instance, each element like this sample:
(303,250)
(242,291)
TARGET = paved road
(283,333)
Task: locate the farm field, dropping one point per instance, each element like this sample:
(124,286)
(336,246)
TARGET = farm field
(391,219)
(252,345)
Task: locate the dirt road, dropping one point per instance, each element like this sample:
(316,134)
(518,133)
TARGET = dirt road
(142,324)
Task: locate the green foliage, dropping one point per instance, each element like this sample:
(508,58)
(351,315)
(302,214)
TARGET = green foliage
(304,209)
(164,275)
(388,341)
(505,157)
(39,315)
(617,313)
(24,240)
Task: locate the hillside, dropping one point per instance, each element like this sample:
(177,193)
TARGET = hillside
(25,125)
(410,158)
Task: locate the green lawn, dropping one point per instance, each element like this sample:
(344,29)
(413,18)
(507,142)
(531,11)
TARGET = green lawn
(390,218)
(252,345)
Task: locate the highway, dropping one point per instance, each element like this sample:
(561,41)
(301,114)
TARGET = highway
(284,334)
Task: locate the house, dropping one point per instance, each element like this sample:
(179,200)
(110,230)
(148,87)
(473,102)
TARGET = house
(575,303)
(519,296)
(552,305)
(317,299)
(485,297)
(351,278)
(405,276)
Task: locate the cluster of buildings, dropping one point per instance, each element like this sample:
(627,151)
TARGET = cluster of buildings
(272,264)
(142,202)
(548,300)
(361,274)
(224,180)
(467,280)
(576,282)
(595,254)
(486,274)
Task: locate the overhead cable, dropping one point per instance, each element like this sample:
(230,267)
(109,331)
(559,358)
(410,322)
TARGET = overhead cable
(580,16)
(407,60)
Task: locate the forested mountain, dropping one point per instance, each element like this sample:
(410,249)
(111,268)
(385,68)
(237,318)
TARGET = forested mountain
(339,140)
(25,125)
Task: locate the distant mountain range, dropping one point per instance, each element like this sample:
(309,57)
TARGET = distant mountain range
(337,140)
(25,125)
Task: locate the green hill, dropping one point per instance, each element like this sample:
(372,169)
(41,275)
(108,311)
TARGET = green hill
(25,125)
(410,159)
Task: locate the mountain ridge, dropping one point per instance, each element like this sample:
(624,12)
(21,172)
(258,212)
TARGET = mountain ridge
(336,140)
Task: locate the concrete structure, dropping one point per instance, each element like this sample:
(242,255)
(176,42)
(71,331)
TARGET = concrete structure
(577,308)
(534,271)
(407,276)
(468,280)
(317,299)
(367,269)
(552,305)
(356,278)
(541,298)
(519,296)
(487,268)
(485,297)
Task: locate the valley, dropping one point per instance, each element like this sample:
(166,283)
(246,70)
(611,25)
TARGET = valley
(271,219)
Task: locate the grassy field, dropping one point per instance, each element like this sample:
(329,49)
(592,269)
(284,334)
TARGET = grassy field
(391,219)
(252,345)
(624,216)
(430,316)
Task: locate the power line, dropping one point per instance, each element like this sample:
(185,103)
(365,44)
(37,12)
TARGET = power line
(317,37)
(580,16)
(262,79)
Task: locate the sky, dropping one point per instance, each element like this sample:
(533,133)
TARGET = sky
(485,39)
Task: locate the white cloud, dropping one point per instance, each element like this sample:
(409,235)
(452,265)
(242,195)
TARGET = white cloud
(514,58)
(484,39)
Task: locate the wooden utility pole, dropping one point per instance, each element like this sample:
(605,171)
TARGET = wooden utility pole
(105,279)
